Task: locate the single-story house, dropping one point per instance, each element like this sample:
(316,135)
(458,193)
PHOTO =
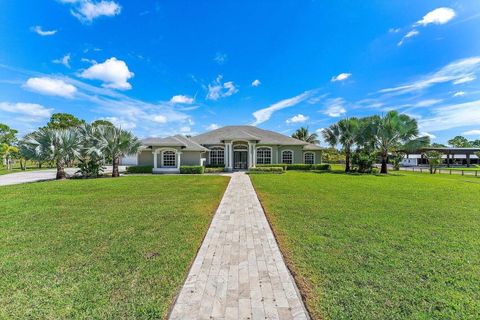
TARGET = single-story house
(232,147)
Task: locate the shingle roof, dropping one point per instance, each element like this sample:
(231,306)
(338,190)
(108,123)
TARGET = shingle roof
(245,133)
(174,141)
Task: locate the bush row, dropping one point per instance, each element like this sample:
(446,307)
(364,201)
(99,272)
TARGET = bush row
(323,166)
(214,169)
(192,169)
(266,170)
(140,169)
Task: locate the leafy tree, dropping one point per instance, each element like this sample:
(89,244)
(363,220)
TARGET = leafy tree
(332,155)
(434,160)
(304,135)
(64,121)
(57,145)
(459,142)
(7,134)
(102,122)
(117,143)
(8,153)
(344,132)
(363,160)
(475,143)
(393,132)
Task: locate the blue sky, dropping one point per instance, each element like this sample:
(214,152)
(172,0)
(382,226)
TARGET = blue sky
(164,67)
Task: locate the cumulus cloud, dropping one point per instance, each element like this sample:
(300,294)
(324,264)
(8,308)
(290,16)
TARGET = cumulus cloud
(212,126)
(299,118)
(122,123)
(341,77)
(335,107)
(475,132)
(410,34)
(65,60)
(437,16)
(459,70)
(264,114)
(113,73)
(51,87)
(182,99)
(30,111)
(256,83)
(217,89)
(87,10)
(44,33)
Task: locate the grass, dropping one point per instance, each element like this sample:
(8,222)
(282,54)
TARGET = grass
(402,246)
(103,248)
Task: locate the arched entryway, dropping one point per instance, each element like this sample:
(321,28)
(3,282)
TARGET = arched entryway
(240,156)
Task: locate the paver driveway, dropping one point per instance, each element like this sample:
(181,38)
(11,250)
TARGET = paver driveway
(239,272)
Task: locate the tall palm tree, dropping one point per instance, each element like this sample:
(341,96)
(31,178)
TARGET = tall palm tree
(58,145)
(304,135)
(117,143)
(393,132)
(344,132)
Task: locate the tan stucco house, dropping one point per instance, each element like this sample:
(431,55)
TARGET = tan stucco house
(234,147)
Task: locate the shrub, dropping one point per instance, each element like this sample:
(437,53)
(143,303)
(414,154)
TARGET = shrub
(214,169)
(140,169)
(90,168)
(300,166)
(266,170)
(281,165)
(192,169)
(215,166)
(362,161)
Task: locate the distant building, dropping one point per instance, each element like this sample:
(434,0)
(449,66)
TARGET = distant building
(451,157)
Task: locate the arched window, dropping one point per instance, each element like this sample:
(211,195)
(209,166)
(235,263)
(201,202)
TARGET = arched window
(169,159)
(217,156)
(287,157)
(264,156)
(309,157)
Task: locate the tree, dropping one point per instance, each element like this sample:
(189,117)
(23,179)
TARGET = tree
(459,142)
(102,122)
(434,160)
(57,145)
(7,134)
(393,132)
(64,121)
(344,132)
(475,143)
(91,158)
(117,143)
(304,135)
(8,153)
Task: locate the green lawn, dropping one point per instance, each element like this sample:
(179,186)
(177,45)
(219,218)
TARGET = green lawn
(101,249)
(403,246)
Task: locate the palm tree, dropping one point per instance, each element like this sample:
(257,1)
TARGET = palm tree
(344,132)
(117,143)
(304,135)
(393,132)
(57,145)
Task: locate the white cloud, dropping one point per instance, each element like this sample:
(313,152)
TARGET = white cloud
(256,83)
(459,93)
(410,34)
(213,126)
(437,16)
(466,79)
(159,118)
(453,72)
(217,89)
(38,30)
(341,77)
(394,30)
(299,118)
(65,60)
(335,107)
(431,136)
(87,10)
(452,116)
(185,129)
(220,58)
(51,87)
(264,114)
(122,123)
(475,132)
(32,111)
(428,102)
(182,99)
(114,74)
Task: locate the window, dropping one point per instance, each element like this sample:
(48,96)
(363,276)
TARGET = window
(217,156)
(287,157)
(264,156)
(309,158)
(169,159)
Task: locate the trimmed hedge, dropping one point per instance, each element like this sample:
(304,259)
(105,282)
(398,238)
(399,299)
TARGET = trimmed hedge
(139,169)
(192,169)
(215,166)
(266,170)
(214,169)
(300,166)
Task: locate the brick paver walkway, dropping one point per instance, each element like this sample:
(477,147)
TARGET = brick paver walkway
(239,272)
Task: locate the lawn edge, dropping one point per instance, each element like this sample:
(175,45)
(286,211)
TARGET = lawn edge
(179,289)
(302,285)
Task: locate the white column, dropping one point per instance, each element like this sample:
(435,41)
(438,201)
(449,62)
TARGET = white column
(155,159)
(229,150)
(179,156)
(250,152)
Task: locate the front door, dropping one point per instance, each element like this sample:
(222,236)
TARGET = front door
(240,159)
